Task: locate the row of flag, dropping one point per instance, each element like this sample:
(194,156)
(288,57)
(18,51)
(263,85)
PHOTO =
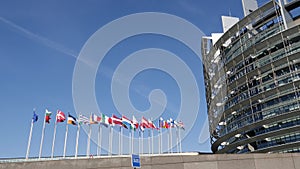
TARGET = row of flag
(111,121)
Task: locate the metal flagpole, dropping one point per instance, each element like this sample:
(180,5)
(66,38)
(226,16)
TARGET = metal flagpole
(171,142)
(110,141)
(180,148)
(177,140)
(99,140)
(29,140)
(132,141)
(139,142)
(158,141)
(161,143)
(77,139)
(152,145)
(54,134)
(142,144)
(120,141)
(42,138)
(66,137)
(89,141)
(149,142)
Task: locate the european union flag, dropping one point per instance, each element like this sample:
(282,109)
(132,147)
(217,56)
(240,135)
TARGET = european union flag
(35,117)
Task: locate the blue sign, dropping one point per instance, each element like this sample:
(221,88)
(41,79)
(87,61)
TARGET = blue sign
(135,161)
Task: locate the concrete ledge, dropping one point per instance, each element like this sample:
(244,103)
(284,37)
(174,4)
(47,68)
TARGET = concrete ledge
(174,161)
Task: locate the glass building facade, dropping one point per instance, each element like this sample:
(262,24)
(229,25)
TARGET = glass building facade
(252,80)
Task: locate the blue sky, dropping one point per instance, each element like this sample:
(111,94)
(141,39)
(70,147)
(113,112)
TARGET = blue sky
(39,44)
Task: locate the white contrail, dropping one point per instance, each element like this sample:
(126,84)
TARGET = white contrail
(49,43)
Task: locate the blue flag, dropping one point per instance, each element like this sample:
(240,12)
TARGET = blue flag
(35,117)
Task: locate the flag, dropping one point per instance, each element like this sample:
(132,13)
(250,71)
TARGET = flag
(172,123)
(152,125)
(127,123)
(135,123)
(96,118)
(83,119)
(92,119)
(166,124)
(145,123)
(160,122)
(71,120)
(35,117)
(47,116)
(179,124)
(116,120)
(105,120)
(60,116)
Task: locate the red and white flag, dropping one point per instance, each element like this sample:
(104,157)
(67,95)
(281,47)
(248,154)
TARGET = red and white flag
(60,116)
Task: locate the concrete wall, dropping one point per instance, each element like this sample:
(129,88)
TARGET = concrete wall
(184,161)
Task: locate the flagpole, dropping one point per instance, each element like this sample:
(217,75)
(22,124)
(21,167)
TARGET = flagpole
(152,145)
(110,141)
(159,141)
(29,140)
(177,140)
(52,153)
(42,138)
(171,142)
(120,141)
(89,141)
(66,137)
(77,139)
(149,142)
(139,142)
(180,148)
(99,140)
(132,141)
(142,137)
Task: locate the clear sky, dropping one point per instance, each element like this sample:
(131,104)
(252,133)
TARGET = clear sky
(39,44)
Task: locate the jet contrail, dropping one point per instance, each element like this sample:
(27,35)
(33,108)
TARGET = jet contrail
(49,43)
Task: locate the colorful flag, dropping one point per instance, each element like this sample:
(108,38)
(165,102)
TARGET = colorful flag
(71,120)
(96,118)
(180,125)
(47,116)
(126,122)
(35,117)
(135,123)
(92,119)
(116,120)
(151,124)
(160,122)
(60,116)
(83,119)
(171,122)
(145,123)
(166,124)
(105,120)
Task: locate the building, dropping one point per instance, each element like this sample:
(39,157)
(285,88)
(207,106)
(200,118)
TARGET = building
(252,80)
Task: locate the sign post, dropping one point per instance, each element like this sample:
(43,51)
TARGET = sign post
(135,161)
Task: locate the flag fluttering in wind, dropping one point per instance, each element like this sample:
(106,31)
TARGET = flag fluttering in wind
(60,116)
(179,124)
(135,123)
(145,123)
(105,120)
(47,116)
(152,125)
(35,117)
(116,120)
(96,118)
(126,122)
(71,120)
(83,119)
(92,121)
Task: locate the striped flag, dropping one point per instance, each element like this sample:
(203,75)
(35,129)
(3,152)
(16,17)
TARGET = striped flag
(135,123)
(83,119)
(71,120)
(126,122)
(105,120)
(47,116)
